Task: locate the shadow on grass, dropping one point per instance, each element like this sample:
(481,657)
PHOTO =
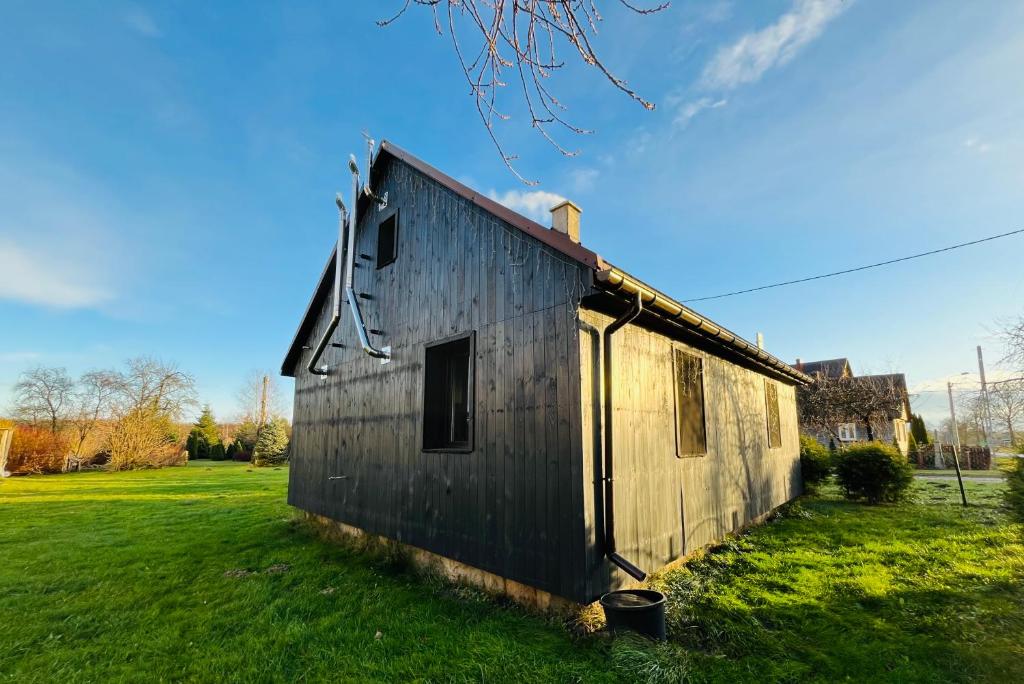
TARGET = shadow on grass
(833,590)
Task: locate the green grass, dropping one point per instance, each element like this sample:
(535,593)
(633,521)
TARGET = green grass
(924,591)
(122,577)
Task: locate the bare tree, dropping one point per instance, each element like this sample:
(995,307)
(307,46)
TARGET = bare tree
(153,385)
(253,405)
(1006,404)
(828,402)
(92,401)
(970,418)
(1012,335)
(151,397)
(523,37)
(44,394)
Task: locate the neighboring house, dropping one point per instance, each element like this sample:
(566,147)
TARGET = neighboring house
(891,421)
(482,438)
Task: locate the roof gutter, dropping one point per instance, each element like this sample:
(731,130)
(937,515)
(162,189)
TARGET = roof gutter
(614,280)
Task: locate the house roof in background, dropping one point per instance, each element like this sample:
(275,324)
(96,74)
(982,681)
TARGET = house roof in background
(832,368)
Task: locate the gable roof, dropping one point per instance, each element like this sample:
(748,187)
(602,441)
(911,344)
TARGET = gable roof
(831,368)
(607,276)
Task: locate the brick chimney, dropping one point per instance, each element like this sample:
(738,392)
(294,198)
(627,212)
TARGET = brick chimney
(565,218)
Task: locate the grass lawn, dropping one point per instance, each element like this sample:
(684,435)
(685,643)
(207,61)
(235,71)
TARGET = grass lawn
(202,574)
(121,577)
(924,591)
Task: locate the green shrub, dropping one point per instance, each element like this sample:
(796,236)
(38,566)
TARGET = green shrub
(217,452)
(1015,490)
(874,472)
(815,463)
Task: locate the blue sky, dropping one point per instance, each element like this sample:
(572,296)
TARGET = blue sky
(167,170)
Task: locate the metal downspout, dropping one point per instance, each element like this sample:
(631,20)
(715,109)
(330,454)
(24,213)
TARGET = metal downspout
(609,442)
(384,354)
(336,309)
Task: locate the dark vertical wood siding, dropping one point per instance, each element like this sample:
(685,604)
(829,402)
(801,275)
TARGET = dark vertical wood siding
(514,505)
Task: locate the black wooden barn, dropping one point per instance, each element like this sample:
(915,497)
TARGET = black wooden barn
(492,392)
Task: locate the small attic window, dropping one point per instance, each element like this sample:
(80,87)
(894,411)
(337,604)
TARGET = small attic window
(387,241)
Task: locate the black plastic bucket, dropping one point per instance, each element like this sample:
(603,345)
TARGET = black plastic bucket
(639,610)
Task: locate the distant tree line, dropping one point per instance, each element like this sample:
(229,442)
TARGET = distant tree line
(131,418)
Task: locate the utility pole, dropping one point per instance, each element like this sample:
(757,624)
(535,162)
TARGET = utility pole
(263,402)
(986,420)
(956,442)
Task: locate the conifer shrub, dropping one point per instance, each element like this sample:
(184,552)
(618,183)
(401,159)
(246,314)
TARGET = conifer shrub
(204,438)
(217,452)
(873,472)
(272,444)
(815,463)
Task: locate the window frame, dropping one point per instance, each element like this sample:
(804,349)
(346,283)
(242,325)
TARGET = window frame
(850,429)
(470,444)
(769,423)
(393,216)
(677,354)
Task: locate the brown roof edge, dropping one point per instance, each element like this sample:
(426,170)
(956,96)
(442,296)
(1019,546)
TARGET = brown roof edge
(308,319)
(614,280)
(551,238)
(609,277)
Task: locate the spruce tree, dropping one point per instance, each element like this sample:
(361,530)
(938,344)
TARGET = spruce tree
(272,444)
(918,429)
(204,436)
(246,435)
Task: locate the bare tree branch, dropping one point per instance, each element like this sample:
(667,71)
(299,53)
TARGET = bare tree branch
(522,36)
(1012,336)
(44,394)
(828,402)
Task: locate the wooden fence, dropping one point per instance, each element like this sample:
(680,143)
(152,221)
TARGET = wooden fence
(6,434)
(971,457)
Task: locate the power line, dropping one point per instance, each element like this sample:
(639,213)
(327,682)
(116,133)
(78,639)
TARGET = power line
(854,270)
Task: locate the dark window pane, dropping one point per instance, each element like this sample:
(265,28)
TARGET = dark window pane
(691,439)
(447,395)
(771,400)
(387,241)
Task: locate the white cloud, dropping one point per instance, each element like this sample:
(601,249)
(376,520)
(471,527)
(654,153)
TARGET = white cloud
(65,241)
(583,179)
(691,109)
(141,22)
(976,145)
(747,59)
(534,204)
(44,276)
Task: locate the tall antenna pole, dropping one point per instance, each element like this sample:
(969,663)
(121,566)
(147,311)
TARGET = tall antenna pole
(956,442)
